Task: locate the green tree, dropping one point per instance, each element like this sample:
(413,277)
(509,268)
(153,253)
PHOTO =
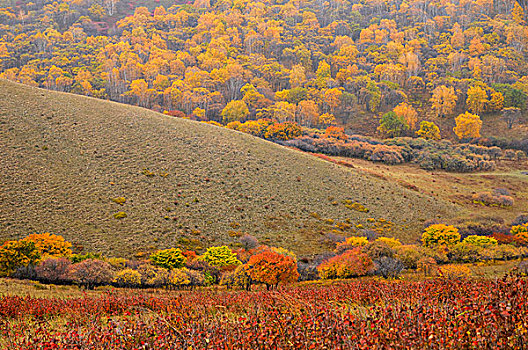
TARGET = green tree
(393,125)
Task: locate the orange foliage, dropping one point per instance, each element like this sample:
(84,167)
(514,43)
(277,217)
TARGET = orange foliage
(272,268)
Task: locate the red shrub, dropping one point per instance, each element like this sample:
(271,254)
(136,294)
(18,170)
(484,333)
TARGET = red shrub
(352,263)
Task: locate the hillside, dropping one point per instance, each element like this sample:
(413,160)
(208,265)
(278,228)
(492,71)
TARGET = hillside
(65,157)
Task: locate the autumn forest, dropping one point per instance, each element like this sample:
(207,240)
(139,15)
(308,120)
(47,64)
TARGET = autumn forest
(311,62)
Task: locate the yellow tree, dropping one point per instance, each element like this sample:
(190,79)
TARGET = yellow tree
(297,75)
(49,244)
(518,13)
(457,40)
(476,99)
(332,98)
(496,102)
(443,100)
(284,111)
(308,112)
(408,113)
(139,88)
(467,126)
(429,131)
(235,110)
(323,73)
(326,119)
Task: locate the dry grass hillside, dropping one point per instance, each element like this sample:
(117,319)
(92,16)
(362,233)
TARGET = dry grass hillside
(66,160)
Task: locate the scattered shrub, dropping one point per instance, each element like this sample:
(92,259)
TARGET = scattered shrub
(454,271)
(334,132)
(210,273)
(117,263)
(378,249)
(119,200)
(196,278)
(352,263)
(481,241)
(409,255)
(519,220)
(391,242)
(428,266)
(120,215)
(465,252)
(388,267)
(238,278)
(178,278)
(77,258)
(493,199)
(249,242)
(520,233)
(152,276)
(285,252)
(522,268)
(440,235)
(307,271)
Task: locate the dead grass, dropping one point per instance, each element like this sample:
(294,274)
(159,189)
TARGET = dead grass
(65,156)
(458,188)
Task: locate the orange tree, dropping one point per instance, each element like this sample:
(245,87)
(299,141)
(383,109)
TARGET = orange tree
(49,244)
(283,131)
(272,268)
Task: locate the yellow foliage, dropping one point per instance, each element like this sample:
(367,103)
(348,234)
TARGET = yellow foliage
(455,271)
(467,126)
(49,244)
(390,241)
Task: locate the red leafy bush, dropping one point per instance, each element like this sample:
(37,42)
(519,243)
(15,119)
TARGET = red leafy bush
(440,314)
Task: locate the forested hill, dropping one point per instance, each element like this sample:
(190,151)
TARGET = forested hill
(286,60)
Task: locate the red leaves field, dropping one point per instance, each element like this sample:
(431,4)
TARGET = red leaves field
(433,314)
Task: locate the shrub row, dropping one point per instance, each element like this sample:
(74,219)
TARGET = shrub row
(429,154)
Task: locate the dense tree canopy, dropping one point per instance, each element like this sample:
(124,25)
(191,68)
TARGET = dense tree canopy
(291,61)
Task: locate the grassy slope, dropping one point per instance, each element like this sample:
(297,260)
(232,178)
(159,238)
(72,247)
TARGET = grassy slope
(64,157)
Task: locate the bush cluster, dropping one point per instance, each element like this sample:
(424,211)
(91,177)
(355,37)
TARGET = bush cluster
(493,199)
(429,154)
